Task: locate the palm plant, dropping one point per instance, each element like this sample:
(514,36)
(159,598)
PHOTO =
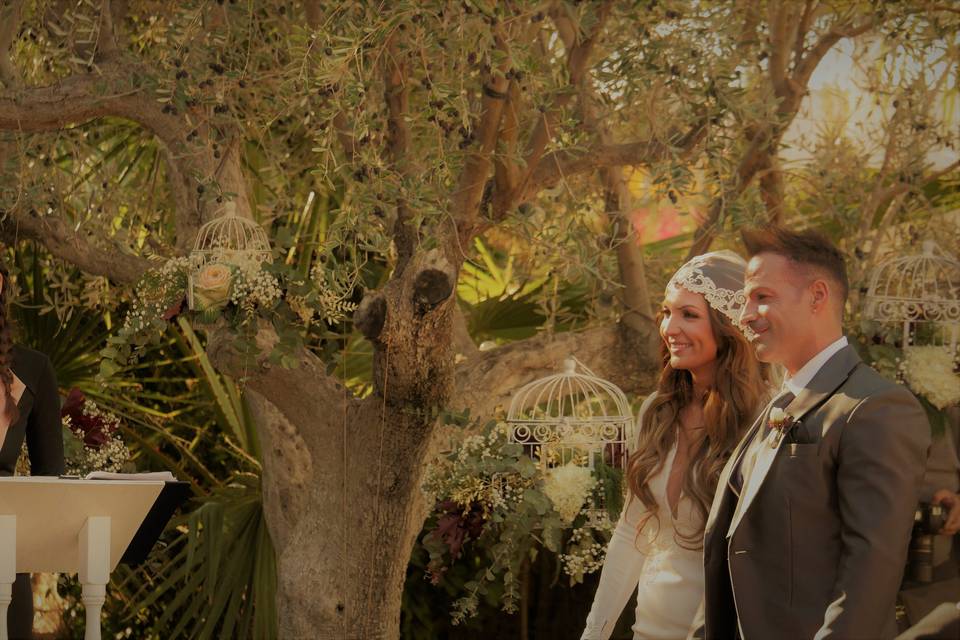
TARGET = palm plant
(178,414)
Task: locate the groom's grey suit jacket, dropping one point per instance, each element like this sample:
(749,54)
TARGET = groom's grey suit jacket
(816,544)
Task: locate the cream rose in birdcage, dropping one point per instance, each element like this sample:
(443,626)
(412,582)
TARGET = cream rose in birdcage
(209,287)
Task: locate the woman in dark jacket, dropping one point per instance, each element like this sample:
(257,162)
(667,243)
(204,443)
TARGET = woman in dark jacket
(29,410)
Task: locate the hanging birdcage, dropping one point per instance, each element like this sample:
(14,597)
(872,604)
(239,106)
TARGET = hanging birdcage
(572,417)
(918,294)
(223,245)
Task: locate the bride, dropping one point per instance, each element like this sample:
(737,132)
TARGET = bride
(709,390)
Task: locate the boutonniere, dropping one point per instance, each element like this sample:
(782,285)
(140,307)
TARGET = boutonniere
(780,422)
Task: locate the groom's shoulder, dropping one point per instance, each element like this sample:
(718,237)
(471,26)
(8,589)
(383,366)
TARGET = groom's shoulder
(866,383)
(866,386)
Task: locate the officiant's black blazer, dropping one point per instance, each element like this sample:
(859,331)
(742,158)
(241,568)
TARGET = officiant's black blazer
(39,421)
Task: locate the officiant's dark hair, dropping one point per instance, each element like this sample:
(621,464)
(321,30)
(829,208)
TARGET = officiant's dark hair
(808,248)
(6,346)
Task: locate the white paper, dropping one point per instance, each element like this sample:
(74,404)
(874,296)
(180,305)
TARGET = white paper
(151,476)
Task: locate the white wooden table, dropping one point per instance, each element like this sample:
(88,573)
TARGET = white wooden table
(53,525)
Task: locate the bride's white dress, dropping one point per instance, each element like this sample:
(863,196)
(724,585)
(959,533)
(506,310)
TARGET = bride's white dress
(670,577)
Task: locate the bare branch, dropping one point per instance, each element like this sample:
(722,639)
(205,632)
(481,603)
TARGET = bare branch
(944,7)
(618,201)
(81,98)
(103,258)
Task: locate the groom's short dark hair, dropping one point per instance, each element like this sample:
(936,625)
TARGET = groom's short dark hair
(809,248)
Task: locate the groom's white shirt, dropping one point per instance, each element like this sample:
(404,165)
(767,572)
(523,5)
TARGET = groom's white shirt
(799,381)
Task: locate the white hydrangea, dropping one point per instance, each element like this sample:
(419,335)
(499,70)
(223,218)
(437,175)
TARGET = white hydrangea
(929,370)
(568,487)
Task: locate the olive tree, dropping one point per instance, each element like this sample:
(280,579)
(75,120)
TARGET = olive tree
(127,124)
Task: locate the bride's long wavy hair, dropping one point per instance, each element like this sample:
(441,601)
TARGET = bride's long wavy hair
(729,405)
(12,413)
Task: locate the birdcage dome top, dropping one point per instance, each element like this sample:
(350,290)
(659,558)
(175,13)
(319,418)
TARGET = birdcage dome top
(573,395)
(231,237)
(916,288)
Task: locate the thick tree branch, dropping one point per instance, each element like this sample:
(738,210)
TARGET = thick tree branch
(783,25)
(800,35)
(764,138)
(397,97)
(809,63)
(473,177)
(118,91)
(506,171)
(100,258)
(9,26)
(563,163)
(615,353)
(892,191)
(314,12)
(618,202)
(578,58)
(106,38)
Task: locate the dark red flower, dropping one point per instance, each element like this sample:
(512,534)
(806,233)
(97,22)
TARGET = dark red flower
(93,430)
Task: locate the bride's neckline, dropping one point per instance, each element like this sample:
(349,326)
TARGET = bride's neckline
(671,465)
(17,391)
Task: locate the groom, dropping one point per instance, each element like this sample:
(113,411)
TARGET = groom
(808,532)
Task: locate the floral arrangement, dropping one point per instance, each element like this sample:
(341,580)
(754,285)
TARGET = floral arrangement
(91,439)
(234,287)
(931,371)
(491,499)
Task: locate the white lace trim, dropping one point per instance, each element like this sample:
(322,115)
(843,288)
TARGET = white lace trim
(727,301)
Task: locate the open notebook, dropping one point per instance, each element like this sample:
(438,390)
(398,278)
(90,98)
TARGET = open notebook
(151,476)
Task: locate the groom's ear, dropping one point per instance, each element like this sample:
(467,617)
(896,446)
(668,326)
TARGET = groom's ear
(820,296)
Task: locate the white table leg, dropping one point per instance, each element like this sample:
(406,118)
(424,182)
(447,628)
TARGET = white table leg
(94,570)
(8,568)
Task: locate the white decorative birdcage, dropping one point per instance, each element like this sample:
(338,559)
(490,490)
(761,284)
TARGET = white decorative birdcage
(920,295)
(227,240)
(572,417)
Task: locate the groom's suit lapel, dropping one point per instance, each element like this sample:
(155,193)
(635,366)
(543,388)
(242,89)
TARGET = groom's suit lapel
(724,482)
(823,385)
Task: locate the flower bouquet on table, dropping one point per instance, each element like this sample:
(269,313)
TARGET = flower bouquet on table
(91,437)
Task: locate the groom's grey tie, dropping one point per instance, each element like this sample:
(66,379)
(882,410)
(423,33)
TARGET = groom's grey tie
(781,401)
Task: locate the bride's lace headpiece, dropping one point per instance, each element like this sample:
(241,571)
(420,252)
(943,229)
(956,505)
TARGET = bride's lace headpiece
(718,277)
